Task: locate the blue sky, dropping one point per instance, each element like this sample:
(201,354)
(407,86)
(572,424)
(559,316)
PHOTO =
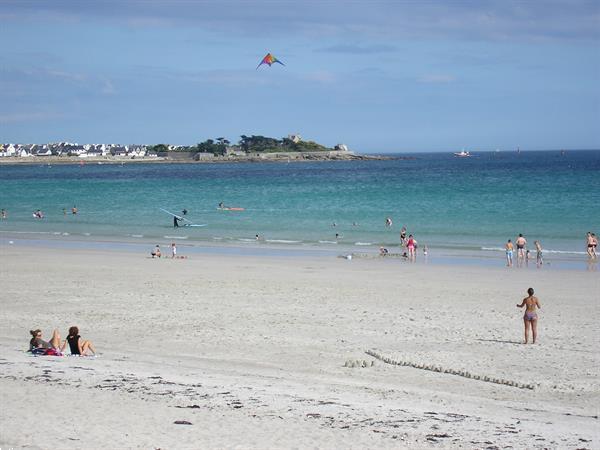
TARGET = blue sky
(380,76)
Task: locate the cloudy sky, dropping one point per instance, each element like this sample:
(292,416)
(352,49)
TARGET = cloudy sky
(380,76)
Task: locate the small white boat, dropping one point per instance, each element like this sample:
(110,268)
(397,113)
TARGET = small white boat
(462,154)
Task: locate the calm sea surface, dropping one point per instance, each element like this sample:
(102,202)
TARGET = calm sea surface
(466,204)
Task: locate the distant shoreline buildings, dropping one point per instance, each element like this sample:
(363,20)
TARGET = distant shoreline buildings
(61,149)
(249,147)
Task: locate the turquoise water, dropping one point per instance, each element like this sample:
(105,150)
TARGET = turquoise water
(471,204)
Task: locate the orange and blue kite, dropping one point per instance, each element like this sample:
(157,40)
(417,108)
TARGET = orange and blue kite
(269,59)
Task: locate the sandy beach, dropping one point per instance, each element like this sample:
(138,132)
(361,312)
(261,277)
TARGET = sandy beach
(268,352)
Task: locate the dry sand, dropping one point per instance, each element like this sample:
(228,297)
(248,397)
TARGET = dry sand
(252,352)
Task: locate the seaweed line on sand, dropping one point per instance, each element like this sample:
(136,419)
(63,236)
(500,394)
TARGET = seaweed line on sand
(460,373)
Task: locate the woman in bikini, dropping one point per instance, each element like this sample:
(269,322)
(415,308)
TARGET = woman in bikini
(530,318)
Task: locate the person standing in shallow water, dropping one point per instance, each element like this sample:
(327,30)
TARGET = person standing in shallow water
(530,317)
(538,255)
(509,253)
(521,243)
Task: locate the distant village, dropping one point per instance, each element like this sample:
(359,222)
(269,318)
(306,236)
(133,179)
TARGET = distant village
(73,149)
(249,148)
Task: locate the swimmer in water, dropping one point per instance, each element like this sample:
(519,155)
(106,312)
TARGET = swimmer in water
(388,222)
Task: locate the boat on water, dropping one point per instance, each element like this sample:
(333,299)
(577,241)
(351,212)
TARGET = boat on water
(230,208)
(462,154)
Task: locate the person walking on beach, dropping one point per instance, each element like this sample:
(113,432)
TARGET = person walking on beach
(173,250)
(538,253)
(521,243)
(530,318)
(509,253)
(592,242)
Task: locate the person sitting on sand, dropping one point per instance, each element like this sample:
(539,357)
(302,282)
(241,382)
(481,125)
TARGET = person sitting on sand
(38,346)
(77,345)
(530,318)
(383,251)
(156,252)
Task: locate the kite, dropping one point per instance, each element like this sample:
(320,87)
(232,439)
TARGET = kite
(269,59)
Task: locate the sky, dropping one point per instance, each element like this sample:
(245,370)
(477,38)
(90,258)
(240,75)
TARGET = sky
(378,76)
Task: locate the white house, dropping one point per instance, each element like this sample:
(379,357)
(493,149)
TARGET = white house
(295,138)
(8,150)
(77,150)
(136,151)
(43,151)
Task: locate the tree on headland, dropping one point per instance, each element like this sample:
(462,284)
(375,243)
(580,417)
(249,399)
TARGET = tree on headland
(209,146)
(249,144)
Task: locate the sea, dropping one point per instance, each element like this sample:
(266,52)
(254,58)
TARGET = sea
(461,209)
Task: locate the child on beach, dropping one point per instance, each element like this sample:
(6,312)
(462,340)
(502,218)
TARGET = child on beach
(173,250)
(530,318)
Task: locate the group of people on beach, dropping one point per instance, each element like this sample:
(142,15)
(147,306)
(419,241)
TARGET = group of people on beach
(156,253)
(54,347)
(408,243)
(523,254)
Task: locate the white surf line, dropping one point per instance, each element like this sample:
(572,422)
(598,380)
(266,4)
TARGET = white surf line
(440,369)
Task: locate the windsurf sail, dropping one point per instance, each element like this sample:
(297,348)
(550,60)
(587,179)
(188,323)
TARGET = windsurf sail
(188,223)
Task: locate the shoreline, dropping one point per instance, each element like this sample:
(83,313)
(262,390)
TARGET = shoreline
(265,347)
(437,256)
(185,159)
